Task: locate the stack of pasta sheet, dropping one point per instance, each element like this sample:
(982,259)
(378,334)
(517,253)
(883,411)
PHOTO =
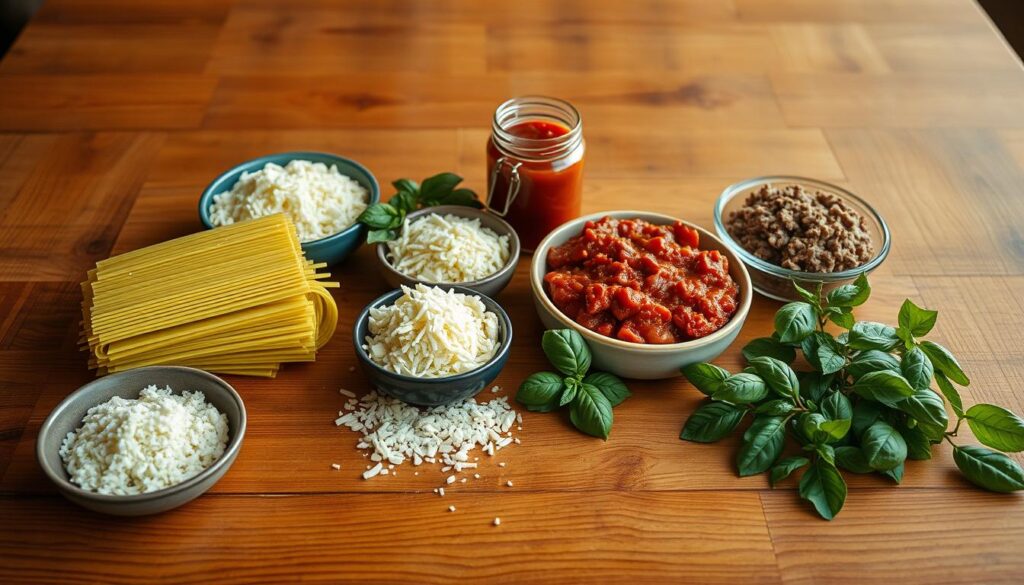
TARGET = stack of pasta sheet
(238,299)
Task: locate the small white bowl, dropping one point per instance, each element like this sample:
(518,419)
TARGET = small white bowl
(639,360)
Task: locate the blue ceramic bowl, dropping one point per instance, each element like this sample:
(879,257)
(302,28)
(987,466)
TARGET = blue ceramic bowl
(333,248)
(433,391)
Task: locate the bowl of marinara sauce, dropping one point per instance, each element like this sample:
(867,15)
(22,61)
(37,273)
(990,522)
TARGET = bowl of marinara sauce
(650,293)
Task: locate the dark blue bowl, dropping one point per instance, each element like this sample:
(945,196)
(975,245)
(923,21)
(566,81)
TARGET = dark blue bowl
(433,391)
(333,248)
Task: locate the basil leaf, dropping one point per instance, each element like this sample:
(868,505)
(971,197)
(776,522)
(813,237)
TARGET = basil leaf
(810,298)
(951,394)
(835,429)
(762,445)
(870,361)
(381,216)
(794,322)
(829,356)
(705,377)
(989,469)
(404,201)
(945,362)
(741,389)
(775,407)
(840,317)
(823,486)
(836,406)
(814,385)
(826,452)
(917,368)
(865,413)
(572,386)
(852,459)
(871,335)
(927,408)
(611,386)
(883,446)
(566,350)
(464,197)
(850,295)
(895,474)
(919,446)
(540,391)
(996,427)
(810,426)
(770,347)
(883,386)
(711,422)
(407,185)
(591,412)
(784,468)
(374,236)
(778,375)
(916,320)
(434,189)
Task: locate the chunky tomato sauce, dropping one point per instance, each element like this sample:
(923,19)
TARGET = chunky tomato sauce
(639,282)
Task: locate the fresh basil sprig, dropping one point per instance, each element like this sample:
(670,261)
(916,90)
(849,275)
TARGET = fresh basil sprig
(590,397)
(866,407)
(384,219)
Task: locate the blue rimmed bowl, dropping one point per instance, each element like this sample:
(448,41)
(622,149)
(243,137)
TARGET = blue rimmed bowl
(333,248)
(433,391)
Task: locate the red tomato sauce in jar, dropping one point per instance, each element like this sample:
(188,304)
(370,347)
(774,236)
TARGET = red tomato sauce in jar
(632,280)
(535,166)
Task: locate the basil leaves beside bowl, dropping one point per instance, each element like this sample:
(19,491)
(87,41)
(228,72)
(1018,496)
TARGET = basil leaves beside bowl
(590,397)
(866,406)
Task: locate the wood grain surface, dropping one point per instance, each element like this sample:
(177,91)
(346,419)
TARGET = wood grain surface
(114,115)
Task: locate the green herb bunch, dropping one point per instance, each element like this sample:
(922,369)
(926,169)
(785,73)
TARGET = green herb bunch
(590,397)
(865,407)
(384,219)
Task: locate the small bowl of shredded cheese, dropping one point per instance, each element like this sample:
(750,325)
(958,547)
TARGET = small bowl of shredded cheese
(322,193)
(452,245)
(142,441)
(428,345)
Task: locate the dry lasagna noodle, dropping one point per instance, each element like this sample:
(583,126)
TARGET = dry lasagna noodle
(238,299)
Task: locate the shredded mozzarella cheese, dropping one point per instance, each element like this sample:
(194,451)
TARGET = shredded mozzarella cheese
(431,333)
(319,200)
(448,249)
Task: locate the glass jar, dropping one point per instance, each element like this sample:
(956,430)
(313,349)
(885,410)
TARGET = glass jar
(535,165)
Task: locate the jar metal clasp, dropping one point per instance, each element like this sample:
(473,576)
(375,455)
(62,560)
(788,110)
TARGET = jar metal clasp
(513,184)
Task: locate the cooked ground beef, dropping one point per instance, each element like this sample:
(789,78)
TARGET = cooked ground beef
(798,229)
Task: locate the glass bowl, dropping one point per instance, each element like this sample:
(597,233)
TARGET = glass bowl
(775,282)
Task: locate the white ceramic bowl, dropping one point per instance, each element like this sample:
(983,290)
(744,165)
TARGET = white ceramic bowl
(638,360)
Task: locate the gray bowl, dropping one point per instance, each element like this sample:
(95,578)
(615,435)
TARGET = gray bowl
(69,414)
(433,391)
(489,286)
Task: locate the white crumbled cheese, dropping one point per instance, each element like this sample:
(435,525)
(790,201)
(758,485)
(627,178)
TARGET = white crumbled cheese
(348,393)
(133,446)
(497,521)
(448,249)
(398,432)
(335,466)
(431,333)
(373,471)
(319,199)
(509,483)
(440,492)
(451,508)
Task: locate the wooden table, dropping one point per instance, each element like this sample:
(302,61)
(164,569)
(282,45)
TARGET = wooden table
(115,114)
